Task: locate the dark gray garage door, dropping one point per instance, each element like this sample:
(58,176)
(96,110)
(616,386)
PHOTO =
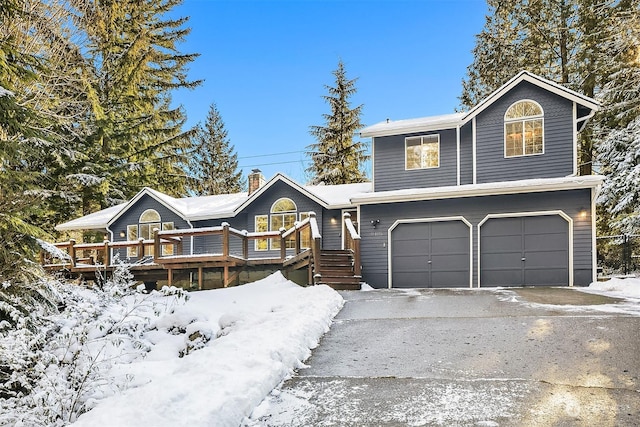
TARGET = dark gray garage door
(524,251)
(430,255)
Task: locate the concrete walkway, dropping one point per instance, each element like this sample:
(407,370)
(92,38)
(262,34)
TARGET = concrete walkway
(520,357)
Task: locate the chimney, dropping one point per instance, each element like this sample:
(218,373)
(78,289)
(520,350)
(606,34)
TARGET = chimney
(256,180)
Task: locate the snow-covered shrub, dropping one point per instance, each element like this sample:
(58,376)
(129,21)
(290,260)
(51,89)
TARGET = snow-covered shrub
(54,365)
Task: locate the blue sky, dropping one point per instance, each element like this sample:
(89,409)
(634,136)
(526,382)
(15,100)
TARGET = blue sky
(265,64)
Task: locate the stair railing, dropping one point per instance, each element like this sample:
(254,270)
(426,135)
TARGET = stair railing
(352,242)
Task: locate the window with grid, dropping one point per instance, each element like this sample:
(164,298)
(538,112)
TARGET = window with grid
(523,129)
(422,152)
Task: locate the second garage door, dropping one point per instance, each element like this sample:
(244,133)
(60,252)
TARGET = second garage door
(525,251)
(433,254)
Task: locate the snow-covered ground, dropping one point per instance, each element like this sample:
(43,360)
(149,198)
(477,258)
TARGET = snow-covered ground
(248,339)
(242,342)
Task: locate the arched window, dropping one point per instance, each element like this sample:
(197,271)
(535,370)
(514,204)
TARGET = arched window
(283,214)
(148,221)
(523,129)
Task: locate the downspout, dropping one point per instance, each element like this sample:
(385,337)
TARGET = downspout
(458,152)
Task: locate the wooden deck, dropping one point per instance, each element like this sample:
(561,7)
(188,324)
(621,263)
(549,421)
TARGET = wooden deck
(94,261)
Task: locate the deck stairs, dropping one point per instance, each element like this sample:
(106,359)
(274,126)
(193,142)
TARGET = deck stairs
(336,269)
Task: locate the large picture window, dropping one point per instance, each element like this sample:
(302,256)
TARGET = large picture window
(283,214)
(422,152)
(523,129)
(149,220)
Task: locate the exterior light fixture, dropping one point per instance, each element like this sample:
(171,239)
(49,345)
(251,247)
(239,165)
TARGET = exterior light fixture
(375,222)
(122,234)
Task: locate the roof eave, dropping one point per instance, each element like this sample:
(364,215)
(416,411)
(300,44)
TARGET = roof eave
(569,183)
(411,129)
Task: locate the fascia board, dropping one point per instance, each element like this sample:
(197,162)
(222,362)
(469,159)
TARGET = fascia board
(535,80)
(272,181)
(491,189)
(413,128)
(145,191)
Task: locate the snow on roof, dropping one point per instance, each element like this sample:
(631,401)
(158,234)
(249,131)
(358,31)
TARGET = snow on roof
(340,195)
(449,121)
(96,220)
(215,206)
(391,127)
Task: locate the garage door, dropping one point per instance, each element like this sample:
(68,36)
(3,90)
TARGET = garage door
(524,251)
(430,255)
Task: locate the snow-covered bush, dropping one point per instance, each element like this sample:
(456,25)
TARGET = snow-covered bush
(56,359)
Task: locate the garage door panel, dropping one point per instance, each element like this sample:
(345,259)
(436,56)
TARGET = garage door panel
(546,277)
(502,277)
(548,259)
(449,279)
(445,243)
(450,246)
(537,254)
(507,227)
(544,224)
(546,241)
(501,244)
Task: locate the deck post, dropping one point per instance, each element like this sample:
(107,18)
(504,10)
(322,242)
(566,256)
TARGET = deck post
(170,276)
(72,252)
(283,246)
(200,278)
(225,279)
(357,268)
(298,241)
(140,247)
(245,247)
(225,241)
(107,254)
(156,246)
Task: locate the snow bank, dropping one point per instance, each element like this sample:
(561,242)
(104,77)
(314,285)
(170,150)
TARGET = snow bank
(625,288)
(238,344)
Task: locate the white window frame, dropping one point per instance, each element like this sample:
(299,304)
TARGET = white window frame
(422,143)
(257,242)
(523,120)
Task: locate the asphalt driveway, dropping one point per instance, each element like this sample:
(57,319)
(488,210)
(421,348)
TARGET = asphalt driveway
(501,357)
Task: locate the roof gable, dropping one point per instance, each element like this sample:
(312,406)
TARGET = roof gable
(167,201)
(449,121)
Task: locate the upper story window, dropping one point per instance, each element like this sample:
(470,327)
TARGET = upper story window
(523,129)
(422,152)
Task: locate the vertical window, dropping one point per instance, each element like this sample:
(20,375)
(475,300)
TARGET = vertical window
(261,225)
(132,234)
(523,129)
(305,235)
(283,214)
(422,152)
(167,249)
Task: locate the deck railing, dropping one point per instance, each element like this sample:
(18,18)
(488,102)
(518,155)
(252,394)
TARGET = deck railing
(352,242)
(77,255)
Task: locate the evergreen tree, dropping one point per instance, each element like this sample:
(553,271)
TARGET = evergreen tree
(336,157)
(136,138)
(215,163)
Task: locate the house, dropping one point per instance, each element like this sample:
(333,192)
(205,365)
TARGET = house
(489,197)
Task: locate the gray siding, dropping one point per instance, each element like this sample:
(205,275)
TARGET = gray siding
(557,160)
(389,163)
(375,240)
(466,155)
(132,215)
(262,206)
(212,244)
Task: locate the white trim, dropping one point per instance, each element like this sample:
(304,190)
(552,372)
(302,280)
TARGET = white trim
(473,147)
(419,220)
(458,155)
(487,189)
(255,225)
(531,214)
(373,164)
(535,80)
(342,212)
(594,248)
(422,124)
(151,193)
(280,199)
(422,143)
(574,136)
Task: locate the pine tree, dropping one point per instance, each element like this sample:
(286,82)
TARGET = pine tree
(136,138)
(215,163)
(336,157)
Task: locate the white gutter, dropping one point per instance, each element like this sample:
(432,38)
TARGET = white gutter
(489,189)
